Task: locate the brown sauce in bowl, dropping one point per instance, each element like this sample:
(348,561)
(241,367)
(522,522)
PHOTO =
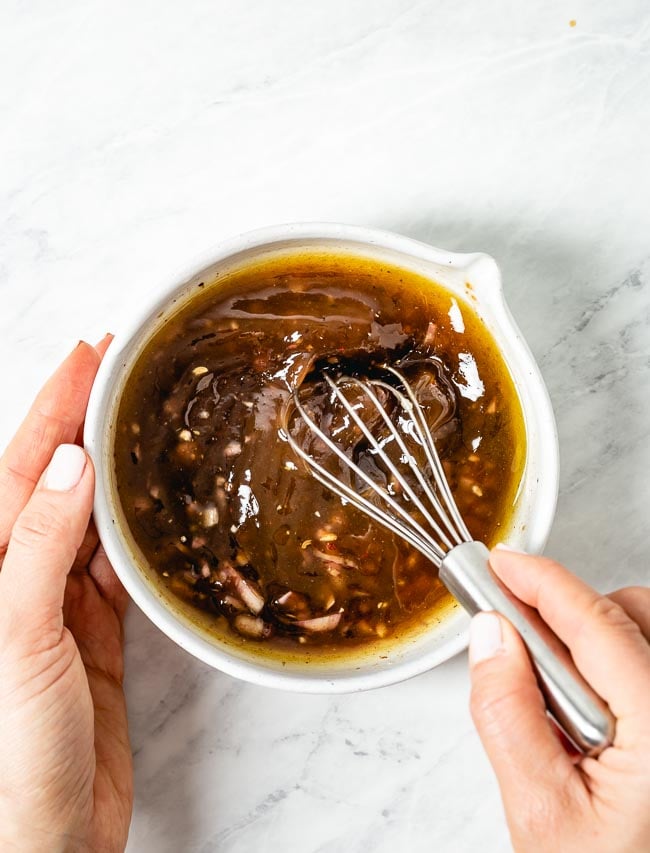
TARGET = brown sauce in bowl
(230,521)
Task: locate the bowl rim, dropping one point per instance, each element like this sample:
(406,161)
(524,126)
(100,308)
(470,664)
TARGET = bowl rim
(95,433)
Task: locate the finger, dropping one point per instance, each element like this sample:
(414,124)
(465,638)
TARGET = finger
(53,419)
(86,549)
(607,646)
(104,344)
(43,545)
(100,349)
(96,627)
(112,748)
(108,583)
(635,601)
(510,716)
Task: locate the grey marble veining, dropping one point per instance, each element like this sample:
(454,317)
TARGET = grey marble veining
(136,135)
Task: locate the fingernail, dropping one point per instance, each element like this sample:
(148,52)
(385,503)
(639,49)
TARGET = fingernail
(109,336)
(485,637)
(65,468)
(502,546)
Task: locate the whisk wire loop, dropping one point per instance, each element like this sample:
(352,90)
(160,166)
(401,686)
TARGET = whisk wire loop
(420,432)
(407,528)
(386,460)
(433,459)
(445,528)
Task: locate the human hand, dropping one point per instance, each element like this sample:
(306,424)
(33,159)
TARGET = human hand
(555,802)
(65,761)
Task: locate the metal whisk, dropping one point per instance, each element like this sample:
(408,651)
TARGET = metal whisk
(417,505)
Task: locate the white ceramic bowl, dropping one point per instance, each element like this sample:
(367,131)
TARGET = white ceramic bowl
(536,501)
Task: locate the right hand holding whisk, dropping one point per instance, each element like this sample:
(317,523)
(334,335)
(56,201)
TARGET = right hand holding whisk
(554,802)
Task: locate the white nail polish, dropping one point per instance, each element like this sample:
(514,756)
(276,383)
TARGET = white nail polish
(65,468)
(485,637)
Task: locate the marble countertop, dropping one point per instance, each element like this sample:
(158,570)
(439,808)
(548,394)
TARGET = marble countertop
(137,134)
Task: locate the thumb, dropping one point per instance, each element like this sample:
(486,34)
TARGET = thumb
(43,545)
(509,713)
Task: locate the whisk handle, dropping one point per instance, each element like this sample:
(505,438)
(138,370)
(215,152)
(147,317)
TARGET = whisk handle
(579,711)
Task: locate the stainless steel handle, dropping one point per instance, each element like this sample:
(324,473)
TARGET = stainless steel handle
(579,711)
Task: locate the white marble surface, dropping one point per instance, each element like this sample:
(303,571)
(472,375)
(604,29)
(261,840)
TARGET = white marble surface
(136,134)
